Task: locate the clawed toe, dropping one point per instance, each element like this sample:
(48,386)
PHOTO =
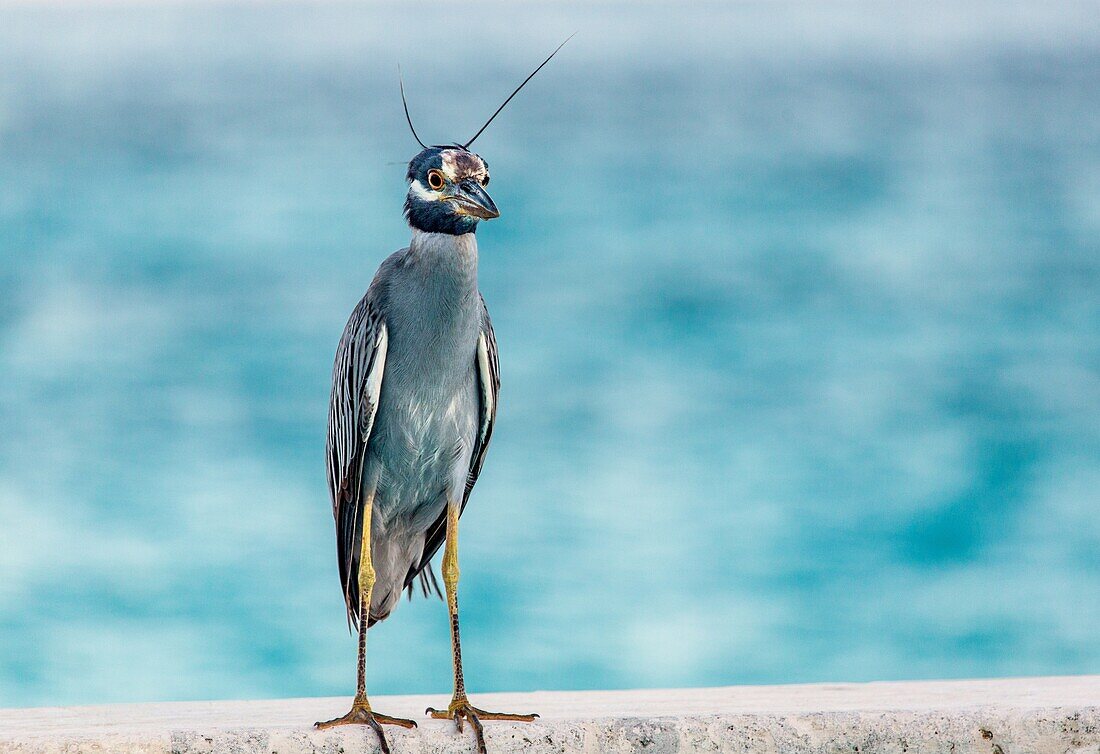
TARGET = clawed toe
(387,720)
(362,714)
(461,709)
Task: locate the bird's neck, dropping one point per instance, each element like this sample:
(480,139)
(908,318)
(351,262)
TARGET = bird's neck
(447,262)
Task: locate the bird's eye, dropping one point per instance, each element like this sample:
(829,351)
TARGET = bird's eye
(485,181)
(435,180)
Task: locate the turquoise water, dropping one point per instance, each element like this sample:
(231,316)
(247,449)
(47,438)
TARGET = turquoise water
(798,309)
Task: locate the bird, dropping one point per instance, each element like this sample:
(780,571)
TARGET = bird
(415,387)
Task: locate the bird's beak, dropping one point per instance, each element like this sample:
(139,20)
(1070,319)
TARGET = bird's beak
(473,200)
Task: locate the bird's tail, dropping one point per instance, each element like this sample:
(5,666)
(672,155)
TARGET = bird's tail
(429,585)
(390,557)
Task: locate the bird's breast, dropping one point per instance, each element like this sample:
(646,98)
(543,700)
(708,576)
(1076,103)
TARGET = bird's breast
(428,408)
(427,419)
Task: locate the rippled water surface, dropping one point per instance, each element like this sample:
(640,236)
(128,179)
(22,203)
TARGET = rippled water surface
(799,318)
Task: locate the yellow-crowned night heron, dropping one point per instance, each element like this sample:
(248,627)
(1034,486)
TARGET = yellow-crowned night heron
(414,399)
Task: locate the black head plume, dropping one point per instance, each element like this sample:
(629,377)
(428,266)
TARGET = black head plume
(513,94)
(401,83)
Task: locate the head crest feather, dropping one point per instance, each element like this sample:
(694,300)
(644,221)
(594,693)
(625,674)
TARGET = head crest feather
(404,102)
(492,117)
(514,93)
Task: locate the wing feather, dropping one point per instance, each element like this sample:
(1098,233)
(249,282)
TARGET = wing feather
(356,384)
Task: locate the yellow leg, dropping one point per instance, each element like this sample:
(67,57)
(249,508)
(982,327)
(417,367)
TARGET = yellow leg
(361,713)
(460,707)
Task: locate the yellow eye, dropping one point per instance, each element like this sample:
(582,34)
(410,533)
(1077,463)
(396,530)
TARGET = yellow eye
(435,180)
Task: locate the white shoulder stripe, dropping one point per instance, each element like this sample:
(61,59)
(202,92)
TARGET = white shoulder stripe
(373,388)
(486,384)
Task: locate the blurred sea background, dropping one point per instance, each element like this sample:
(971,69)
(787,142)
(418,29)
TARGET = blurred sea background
(798,307)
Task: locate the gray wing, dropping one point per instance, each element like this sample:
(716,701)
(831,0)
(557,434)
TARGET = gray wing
(356,382)
(488,372)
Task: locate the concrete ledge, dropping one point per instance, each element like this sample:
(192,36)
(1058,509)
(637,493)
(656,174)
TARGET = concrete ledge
(1033,715)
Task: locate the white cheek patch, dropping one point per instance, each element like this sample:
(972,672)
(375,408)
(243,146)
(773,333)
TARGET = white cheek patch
(417,189)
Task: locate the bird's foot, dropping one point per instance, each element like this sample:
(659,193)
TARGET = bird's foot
(460,708)
(362,714)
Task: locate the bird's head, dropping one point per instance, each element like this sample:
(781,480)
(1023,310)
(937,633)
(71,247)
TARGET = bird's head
(447,191)
(447,183)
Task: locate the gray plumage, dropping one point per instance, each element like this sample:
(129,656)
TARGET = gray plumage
(424,442)
(414,398)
